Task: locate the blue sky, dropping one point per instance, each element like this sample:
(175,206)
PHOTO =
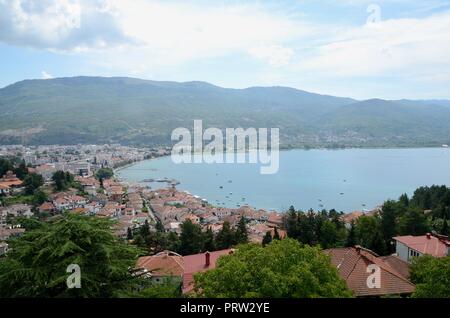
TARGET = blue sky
(363,49)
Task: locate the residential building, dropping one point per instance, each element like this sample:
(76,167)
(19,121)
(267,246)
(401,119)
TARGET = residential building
(357,265)
(180,268)
(407,247)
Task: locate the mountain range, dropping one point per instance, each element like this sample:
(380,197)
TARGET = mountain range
(142,112)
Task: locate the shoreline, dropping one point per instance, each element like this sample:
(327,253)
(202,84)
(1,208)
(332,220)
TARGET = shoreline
(284,150)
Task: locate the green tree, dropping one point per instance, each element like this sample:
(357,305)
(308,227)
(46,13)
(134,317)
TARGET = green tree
(32,182)
(368,233)
(282,269)
(328,234)
(129,234)
(388,222)
(191,238)
(226,237)
(5,166)
(104,173)
(173,242)
(431,276)
(39,197)
(21,171)
(413,222)
(241,232)
(37,262)
(208,240)
(62,180)
(267,239)
(351,237)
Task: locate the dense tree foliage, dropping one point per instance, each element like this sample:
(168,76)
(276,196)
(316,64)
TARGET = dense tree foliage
(281,269)
(428,210)
(431,276)
(62,180)
(32,182)
(36,265)
(104,173)
(241,232)
(324,228)
(192,239)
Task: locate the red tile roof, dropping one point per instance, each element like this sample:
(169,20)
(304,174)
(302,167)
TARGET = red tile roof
(162,264)
(171,264)
(197,263)
(426,244)
(352,264)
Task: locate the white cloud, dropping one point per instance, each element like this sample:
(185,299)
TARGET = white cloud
(400,46)
(275,55)
(63,25)
(46,75)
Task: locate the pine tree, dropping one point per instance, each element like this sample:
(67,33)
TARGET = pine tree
(226,237)
(208,239)
(241,232)
(191,238)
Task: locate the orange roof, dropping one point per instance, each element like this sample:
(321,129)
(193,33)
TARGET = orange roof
(46,206)
(352,264)
(162,264)
(197,263)
(426,244)
(11,183)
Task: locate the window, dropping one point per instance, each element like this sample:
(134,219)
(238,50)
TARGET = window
(413,253)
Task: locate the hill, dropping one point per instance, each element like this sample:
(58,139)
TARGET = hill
(141,112)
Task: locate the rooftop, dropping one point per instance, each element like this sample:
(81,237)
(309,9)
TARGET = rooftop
(426,244)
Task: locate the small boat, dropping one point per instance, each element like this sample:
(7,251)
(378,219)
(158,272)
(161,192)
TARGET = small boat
(342,193)
(230,181)
(231,193)
(221,187)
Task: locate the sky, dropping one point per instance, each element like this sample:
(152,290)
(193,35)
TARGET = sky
(362,49)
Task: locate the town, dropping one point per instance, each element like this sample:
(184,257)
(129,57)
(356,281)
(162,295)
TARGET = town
(47,182)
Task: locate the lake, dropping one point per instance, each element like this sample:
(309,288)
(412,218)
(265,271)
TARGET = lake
(347,180)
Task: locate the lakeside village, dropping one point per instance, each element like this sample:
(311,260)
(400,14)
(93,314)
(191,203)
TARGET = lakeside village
(47,181)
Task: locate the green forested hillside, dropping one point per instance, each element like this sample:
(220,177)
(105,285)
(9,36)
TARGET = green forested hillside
(140,112)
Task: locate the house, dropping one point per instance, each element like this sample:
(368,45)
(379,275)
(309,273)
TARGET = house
(197,263)
(180,268)
(356,265)
(163,265)
(407,247)
(6,233)
(46,207)
(5,189)
(18,210)
(8,182)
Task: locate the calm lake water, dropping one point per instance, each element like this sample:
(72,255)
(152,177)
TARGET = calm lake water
(347,180)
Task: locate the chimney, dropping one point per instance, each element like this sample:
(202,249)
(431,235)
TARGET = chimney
(428,236)
(358,249)
(207,259)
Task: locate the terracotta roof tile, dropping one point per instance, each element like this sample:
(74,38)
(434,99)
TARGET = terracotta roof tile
(352,264)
